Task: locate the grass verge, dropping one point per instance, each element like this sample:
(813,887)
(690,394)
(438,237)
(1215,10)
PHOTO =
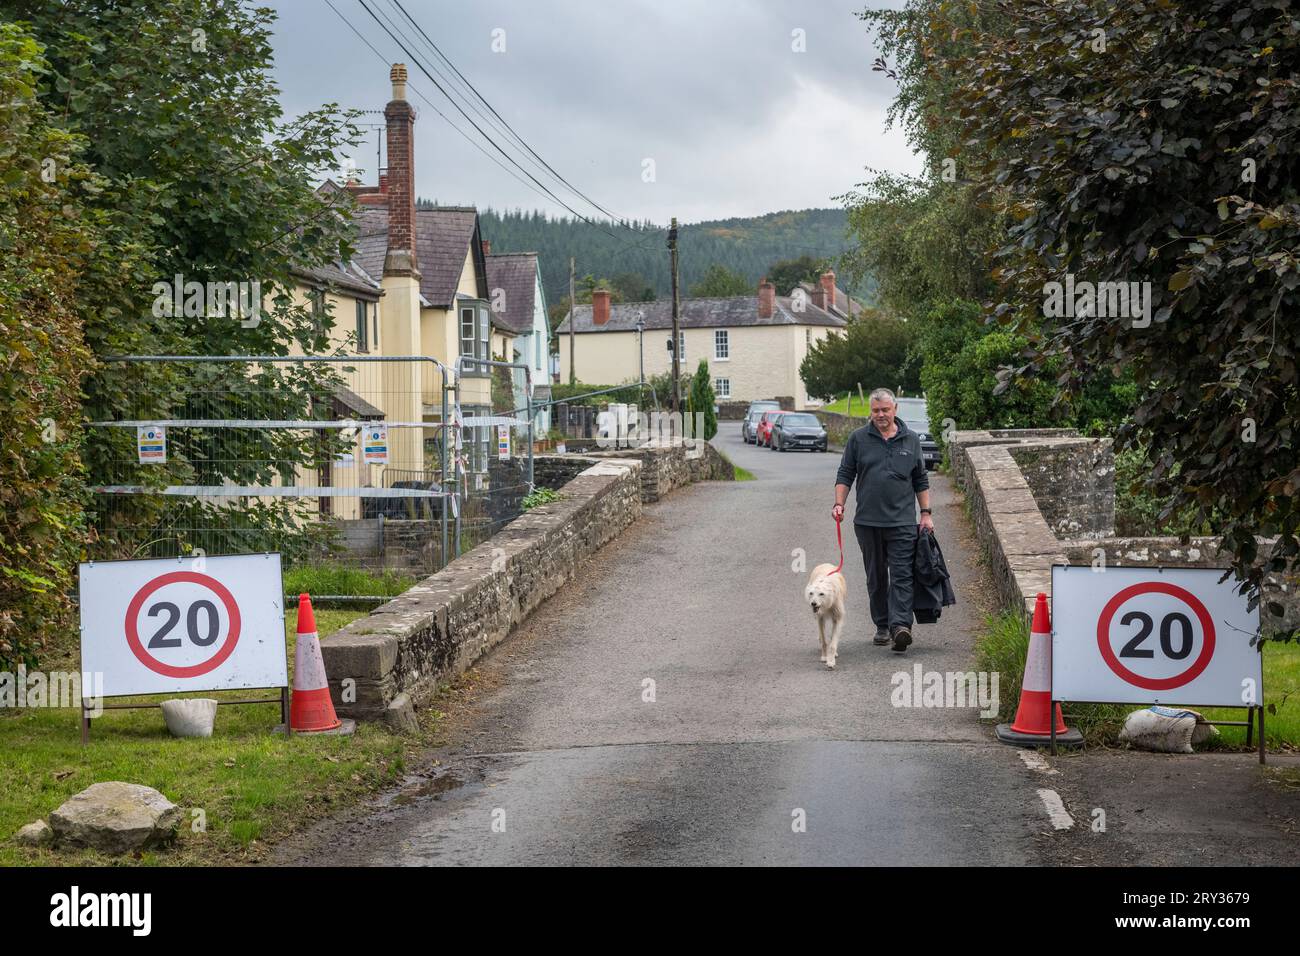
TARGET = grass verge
(239,789)
(1004,642)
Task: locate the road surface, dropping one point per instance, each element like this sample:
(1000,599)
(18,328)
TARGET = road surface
(751,752)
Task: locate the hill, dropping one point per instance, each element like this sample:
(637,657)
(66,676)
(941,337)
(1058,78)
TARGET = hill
(744,245)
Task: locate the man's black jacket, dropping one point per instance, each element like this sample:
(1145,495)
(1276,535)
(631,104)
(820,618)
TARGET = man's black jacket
(932,587)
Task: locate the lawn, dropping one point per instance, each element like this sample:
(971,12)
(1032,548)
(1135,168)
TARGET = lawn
(239,788)
(841,406)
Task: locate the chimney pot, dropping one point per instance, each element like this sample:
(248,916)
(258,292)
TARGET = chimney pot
(828,287)
(600,307)
(398,77)
(766,299)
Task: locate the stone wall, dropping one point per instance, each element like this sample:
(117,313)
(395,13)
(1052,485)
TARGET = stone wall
(1073,481)
(1039,497)
(441,626)
(667,465)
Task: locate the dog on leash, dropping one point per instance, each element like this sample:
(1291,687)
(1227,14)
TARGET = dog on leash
(825,593)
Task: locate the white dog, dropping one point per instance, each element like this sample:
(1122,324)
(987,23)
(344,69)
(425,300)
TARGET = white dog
(825,592)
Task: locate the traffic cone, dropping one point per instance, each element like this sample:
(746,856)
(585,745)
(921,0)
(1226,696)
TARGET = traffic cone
(1033,724)
(310,709)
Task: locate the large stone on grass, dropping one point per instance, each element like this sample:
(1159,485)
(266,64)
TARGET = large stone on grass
(190,716)
(116,817)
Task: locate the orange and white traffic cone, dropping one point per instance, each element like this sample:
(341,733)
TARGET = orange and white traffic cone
(310,709)
(1033,724)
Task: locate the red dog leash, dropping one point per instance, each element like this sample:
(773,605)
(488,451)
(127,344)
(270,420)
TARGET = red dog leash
(839,539)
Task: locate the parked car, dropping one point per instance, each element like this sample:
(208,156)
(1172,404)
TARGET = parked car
(913,411)
(749,426)
(798,430)
(764,432)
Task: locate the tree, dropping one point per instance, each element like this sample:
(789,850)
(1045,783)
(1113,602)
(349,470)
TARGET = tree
(873,350)
(701,399)
(1155,144)
(632,287)
(720,282)
(788,273)
(47,243)
(201,177)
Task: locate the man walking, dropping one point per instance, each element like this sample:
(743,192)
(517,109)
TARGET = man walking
(884,458)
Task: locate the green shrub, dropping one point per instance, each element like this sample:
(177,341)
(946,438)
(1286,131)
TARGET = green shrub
(540,496)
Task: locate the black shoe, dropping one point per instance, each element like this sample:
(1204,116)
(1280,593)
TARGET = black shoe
(882,637)
(902,637)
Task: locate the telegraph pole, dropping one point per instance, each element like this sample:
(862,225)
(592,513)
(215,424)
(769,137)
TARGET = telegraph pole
(573,321)
(677,335)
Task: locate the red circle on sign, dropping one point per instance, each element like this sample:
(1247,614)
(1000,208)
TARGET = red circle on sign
(1156,683)
(194,670)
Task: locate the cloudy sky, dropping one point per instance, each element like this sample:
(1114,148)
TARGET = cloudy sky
(736,121)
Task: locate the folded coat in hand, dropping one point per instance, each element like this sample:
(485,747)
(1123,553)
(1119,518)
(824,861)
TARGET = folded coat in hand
(931,584)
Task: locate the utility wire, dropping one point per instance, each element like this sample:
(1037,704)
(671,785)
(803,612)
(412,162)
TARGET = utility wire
(493,143)
(432,106)
(519,139)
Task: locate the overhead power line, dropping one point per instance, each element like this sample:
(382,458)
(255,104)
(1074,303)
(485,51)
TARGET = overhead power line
(503,123)
(492,142)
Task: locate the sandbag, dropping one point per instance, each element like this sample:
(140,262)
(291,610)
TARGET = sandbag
(1166,730)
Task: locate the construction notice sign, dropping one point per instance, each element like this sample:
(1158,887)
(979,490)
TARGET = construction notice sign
(374,443)
(1153,636)
(151,444)
(188,624)
(503,442)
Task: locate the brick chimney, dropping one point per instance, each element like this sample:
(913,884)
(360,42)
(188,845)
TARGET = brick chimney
(487,247)
(766,299)
(818,297)
(828,289)
(600,307)
(400,185)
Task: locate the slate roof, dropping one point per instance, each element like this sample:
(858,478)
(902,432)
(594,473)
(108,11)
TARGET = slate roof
(515,273)
(721,313)
(443,235)
(347,276)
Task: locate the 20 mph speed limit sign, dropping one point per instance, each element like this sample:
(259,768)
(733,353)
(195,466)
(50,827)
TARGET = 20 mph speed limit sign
(186,624)
(1151,635)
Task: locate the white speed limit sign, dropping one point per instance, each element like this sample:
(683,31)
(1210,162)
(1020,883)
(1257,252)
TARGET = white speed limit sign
(187,624)
(1153,635)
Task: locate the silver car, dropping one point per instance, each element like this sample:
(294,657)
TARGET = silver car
(749,427)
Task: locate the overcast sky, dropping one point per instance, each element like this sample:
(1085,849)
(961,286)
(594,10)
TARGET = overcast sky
(736,121)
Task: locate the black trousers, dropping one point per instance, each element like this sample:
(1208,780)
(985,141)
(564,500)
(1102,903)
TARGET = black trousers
(888,554)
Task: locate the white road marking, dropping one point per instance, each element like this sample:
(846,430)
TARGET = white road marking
(1036,761)
(1061,819)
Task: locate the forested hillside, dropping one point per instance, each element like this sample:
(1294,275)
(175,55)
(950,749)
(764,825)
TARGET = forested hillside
(745,246)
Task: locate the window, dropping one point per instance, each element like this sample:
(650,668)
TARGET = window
(467,332)
(721,345)
(681,346)
(722,387)
(317,299)
(374,320)
(363,340)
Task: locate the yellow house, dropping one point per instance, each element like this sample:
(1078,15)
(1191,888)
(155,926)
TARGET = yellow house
(753,344)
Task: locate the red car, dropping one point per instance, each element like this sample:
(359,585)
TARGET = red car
(763,436)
